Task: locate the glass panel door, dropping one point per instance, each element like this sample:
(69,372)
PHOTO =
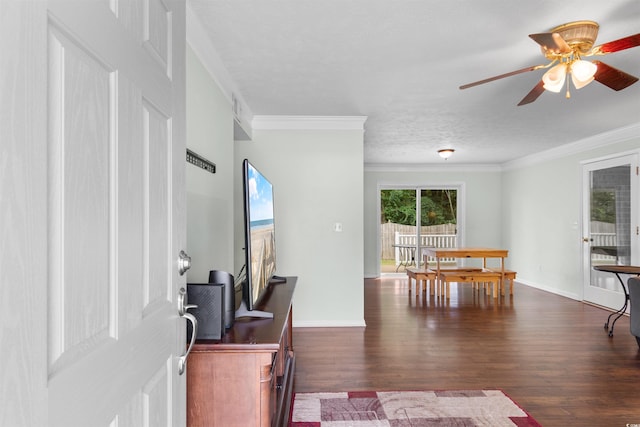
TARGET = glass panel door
(398,222)
(610,226)
(439,217)
(412,218)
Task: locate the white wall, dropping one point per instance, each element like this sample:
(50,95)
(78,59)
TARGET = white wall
(317,177)
(482,200)
(317,173)
(209,196)
(542,201)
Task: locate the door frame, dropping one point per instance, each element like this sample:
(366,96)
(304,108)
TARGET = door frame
(460,207)
(587,166)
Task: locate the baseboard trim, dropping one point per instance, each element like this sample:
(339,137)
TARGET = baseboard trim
(329,324)
(555,291)
(593,304)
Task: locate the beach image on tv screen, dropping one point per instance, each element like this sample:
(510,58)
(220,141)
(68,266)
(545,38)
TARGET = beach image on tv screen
(262,231)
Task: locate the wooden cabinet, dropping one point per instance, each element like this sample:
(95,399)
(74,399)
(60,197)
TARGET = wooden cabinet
(246,378)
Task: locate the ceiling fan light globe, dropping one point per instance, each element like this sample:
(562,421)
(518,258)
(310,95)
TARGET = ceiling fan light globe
(554,78)
(582,73)
(579,84)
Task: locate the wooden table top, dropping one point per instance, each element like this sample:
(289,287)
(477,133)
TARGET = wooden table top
(625,269)
(474,252)
(252,334)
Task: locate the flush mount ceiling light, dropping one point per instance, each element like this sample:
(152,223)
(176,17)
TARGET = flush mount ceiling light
(565,46)
(445,153)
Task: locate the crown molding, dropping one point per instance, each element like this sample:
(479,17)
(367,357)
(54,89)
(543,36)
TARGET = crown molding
(596,141)
(431,167)
(308,122)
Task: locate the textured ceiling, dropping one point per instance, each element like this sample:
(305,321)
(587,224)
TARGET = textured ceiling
(401,62)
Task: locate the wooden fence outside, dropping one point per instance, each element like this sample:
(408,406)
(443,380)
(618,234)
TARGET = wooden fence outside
(392,234)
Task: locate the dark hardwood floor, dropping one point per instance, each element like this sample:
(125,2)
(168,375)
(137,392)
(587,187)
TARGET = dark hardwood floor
(550,354)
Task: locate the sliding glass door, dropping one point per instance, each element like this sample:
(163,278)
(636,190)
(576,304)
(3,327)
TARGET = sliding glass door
(413,218)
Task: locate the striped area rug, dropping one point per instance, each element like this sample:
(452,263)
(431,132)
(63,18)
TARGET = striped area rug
(408,409)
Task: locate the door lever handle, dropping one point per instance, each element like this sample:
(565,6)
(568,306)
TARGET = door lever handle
(182,310)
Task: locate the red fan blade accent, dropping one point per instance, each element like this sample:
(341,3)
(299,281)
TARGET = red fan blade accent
(617,45)
(501,76)
(533,95)
(612,77)
(551,42)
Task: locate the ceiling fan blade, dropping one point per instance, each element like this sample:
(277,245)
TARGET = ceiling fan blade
(612,77)
(501,76)
(551,42)
(617,45)
(533,95)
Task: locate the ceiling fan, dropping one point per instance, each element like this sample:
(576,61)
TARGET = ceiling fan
(565,46)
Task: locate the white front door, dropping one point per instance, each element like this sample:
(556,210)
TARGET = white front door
(93,202)
(610,226)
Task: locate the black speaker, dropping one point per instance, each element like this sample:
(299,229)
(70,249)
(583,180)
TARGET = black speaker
(209,297)
(216,276)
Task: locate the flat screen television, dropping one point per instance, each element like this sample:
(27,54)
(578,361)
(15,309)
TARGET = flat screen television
(259,240)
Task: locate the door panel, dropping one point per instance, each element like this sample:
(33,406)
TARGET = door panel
(157,147)
(610,226)
(95,177)
(131,270)
(79,318)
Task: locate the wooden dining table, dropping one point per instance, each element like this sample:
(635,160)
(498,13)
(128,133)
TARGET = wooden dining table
(466,252)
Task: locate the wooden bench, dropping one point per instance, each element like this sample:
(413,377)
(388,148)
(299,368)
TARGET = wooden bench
(508,275)
(421,275)
(441,288)
(475,276)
